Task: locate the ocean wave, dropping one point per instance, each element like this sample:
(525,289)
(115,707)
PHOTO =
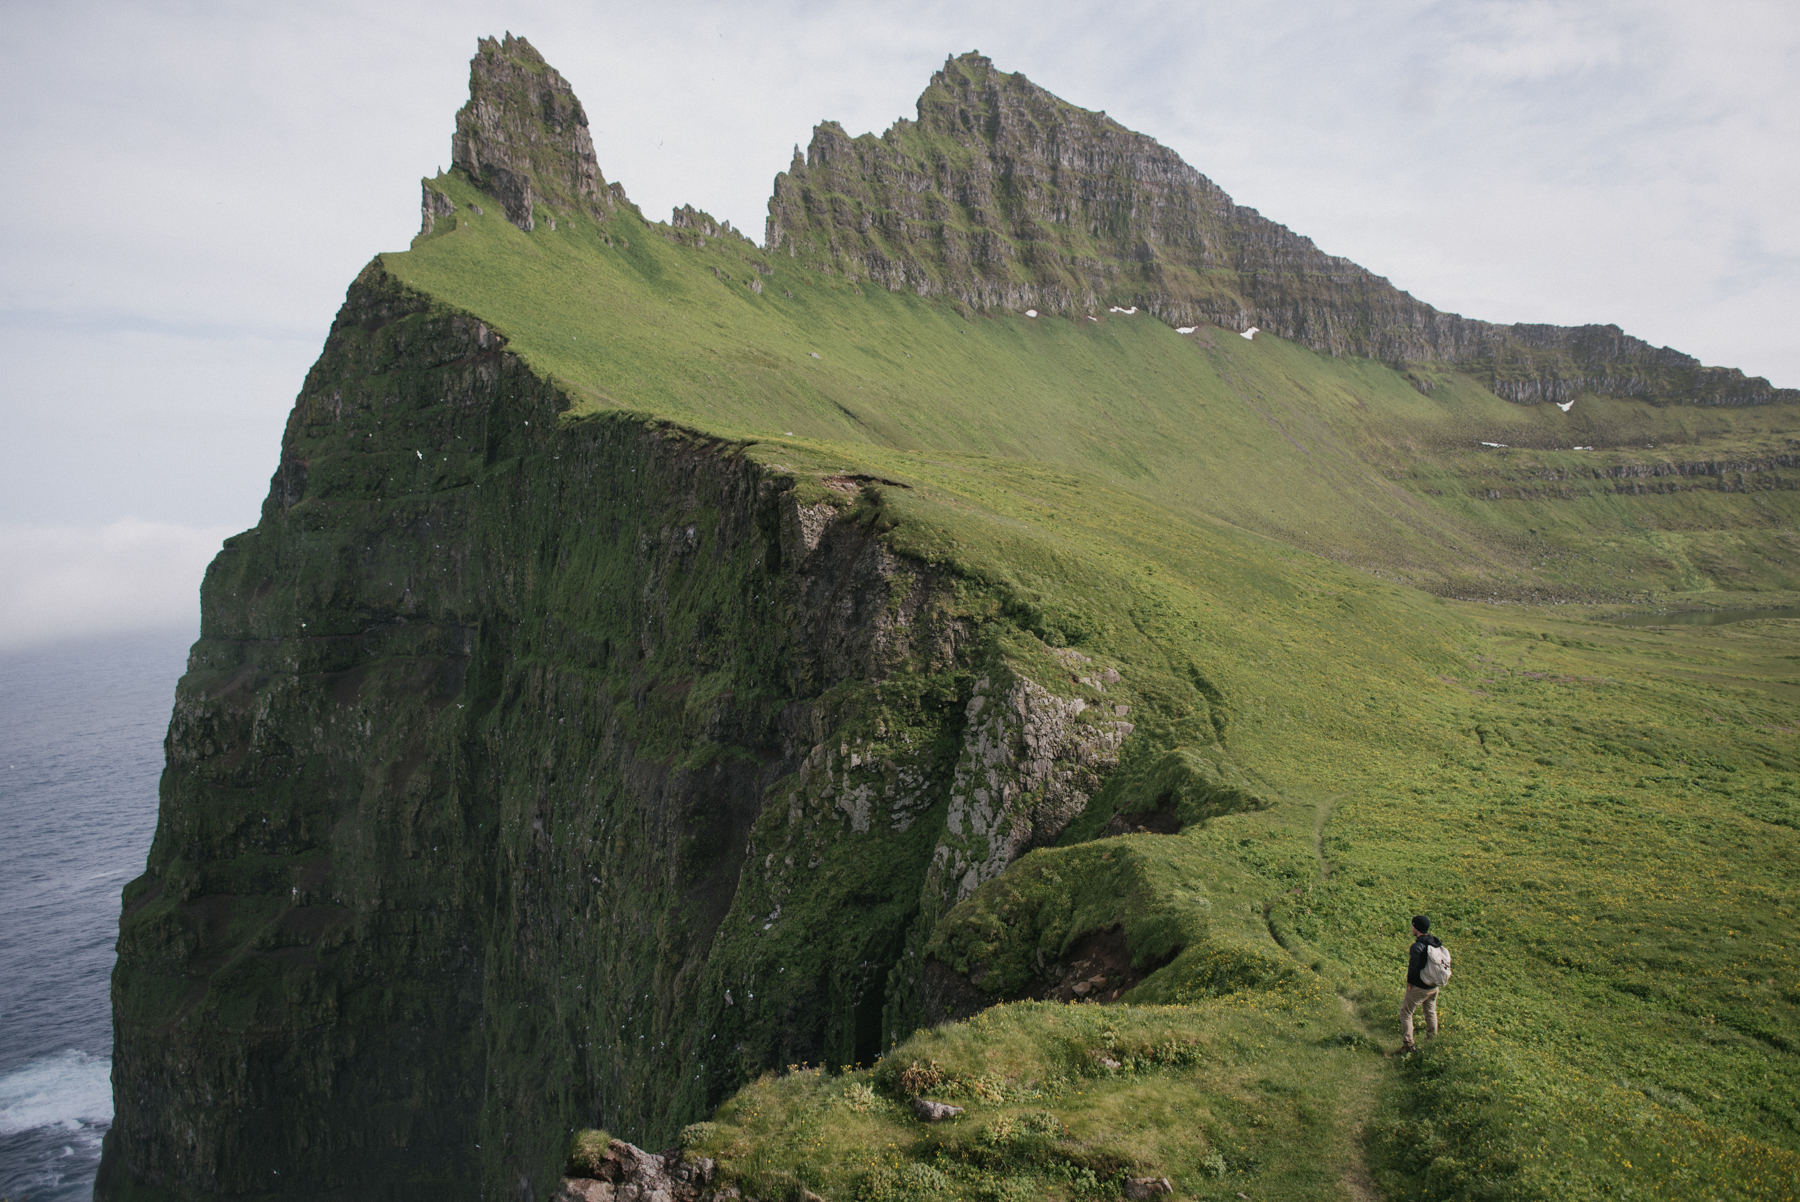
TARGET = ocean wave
(69,1090)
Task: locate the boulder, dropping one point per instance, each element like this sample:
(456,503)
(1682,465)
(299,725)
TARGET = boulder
(934,1112)
(626,1173)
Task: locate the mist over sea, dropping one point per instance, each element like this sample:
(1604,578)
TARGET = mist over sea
(81,729)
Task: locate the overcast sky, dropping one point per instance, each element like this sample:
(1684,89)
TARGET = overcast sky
(194,185)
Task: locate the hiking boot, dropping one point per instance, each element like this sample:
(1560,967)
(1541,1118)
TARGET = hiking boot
(1407,1049)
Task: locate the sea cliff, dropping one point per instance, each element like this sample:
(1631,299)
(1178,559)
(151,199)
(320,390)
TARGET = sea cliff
(528,770)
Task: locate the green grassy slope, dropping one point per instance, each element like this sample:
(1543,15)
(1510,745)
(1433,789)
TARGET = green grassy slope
(1605,822)
(1341,457)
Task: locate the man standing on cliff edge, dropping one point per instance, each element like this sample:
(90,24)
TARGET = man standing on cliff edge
(1417,991)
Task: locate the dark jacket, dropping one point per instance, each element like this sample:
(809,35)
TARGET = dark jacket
(1416,962)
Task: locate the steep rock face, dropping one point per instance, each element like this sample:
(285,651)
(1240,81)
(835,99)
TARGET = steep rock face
(533,773)
(523,136)
(1002,195)
(299,958)
(1028,769)
(433,205)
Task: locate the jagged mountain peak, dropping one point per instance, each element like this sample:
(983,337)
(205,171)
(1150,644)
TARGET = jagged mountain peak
(523,136)
(1003,195)
(970,94)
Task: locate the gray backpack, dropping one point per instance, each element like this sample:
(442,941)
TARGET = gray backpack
(1437,967)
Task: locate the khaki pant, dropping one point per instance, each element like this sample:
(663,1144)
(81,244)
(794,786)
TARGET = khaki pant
(1411,1002)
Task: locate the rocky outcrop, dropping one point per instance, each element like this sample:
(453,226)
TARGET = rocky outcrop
(702,225)
(523,136)
(624,1172)
(433,204)
(1028,767)
(928,1111)
(1003,196)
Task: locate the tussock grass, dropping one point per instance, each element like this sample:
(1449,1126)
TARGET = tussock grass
(1066,1102)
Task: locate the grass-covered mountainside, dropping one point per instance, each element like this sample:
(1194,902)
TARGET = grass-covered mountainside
(705,693)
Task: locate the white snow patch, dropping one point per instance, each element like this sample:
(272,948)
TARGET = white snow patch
(1185,329)
(1127,312)
(1250,334)
(1031,312)
(1501,445)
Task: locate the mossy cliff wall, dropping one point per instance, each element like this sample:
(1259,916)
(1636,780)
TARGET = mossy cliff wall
(1003,195)
(534,772)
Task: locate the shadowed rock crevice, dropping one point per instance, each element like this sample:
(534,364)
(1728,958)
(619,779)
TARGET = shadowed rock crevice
(1097,967)
(1162,819)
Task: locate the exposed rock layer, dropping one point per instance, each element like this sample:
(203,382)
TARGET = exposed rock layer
(1028,768)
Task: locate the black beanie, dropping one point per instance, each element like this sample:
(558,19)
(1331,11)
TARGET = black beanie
(1421,923)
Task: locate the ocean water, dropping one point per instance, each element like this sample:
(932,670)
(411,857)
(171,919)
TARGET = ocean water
(81,729)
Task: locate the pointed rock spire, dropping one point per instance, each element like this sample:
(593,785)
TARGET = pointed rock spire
(523,136)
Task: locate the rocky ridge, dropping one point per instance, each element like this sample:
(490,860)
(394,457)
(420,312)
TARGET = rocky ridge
(1001,195)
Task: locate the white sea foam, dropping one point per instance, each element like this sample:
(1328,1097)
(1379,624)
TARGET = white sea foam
(67,1090)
